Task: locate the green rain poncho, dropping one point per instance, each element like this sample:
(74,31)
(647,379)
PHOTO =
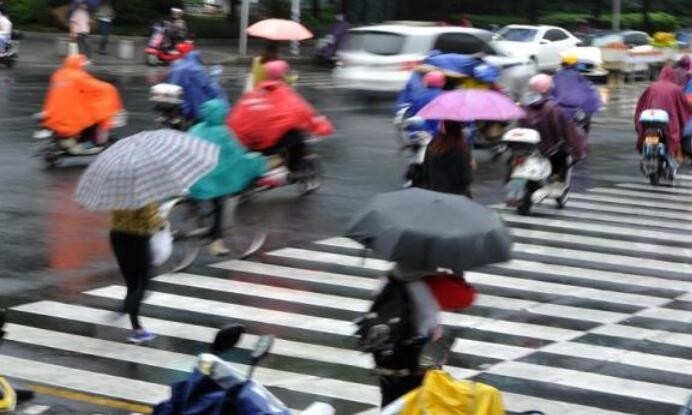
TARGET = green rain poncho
(237,167)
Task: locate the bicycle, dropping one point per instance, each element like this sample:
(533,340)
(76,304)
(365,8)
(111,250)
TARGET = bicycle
(191,222)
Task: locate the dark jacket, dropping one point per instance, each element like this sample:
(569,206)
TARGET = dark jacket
(448,172)
(551,122)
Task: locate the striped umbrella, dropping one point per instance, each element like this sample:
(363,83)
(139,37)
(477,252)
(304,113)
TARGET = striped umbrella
(145,168)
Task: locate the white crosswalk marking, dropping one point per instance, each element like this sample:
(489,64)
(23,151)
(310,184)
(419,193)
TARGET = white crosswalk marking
(592,317)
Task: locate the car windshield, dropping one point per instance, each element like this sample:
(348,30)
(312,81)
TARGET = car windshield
(378,43)
(517,34)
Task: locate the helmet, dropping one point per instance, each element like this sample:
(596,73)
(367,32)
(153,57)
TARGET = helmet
(434,79)
(541,83)
(486,73)
(276,70)
(570,59)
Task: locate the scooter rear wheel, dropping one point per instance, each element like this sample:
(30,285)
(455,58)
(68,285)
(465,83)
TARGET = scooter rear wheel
(654,179)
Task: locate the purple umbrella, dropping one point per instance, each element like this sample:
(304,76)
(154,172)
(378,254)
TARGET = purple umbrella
(468,105)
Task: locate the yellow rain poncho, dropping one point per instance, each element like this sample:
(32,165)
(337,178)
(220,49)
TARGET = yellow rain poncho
(442,394)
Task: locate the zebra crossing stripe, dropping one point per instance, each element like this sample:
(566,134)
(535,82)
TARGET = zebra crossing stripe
(523,403)
(197,333)
(657,189)
(84,381)
(351,304)
(644,215)
(610,354)
(593,382)
(639,203)
(682,316)
(333,388)
(234,311)
(577,273)
(576,214)
(641,195)
(604,243)
(492,350)
(600,229)
(637,333)
(609,259)
(325,325)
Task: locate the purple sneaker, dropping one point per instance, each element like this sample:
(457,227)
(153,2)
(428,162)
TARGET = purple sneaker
(141,336)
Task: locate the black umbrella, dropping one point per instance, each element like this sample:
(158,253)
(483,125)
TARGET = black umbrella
(420,229)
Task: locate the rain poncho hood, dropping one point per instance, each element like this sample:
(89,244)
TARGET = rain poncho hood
(264,115)
(573,92)
(551,122)
(198,85)
(76,100)
(666,95)
(237,169)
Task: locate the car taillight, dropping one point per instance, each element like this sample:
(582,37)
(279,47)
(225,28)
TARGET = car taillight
(410,65)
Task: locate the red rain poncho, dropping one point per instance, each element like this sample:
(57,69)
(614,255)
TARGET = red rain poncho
(666,95)
(264,115)
(76,100)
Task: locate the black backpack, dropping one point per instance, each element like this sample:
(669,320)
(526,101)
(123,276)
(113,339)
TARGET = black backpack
(388,331)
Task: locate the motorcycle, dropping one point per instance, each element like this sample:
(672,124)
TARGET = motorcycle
(529,176)
(244,395)
(53,148)
(656,162)
(10,54)
(158,50)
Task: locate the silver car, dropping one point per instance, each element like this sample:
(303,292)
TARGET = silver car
(381,58)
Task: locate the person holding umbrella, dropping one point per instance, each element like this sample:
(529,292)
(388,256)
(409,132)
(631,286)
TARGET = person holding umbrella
(448,164)
(412,228)
(275,31)
(129,179)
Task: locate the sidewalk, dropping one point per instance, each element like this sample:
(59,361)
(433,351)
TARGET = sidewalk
(41,49)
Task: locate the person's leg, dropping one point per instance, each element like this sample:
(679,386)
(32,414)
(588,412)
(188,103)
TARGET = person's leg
(394,387)
(217,247)
(559,164)
(294,143)
(140,259)
(122,251)
(105,28)
(83,44)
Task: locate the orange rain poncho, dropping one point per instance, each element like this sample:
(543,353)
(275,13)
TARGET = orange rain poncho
(77,100)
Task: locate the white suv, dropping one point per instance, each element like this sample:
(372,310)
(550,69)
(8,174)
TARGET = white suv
(542,44)
(382,58)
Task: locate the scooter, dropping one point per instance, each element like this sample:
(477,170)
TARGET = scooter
(244,395)
(168,100)
(53,148)
(529,175)
(413,140)
(157,51)
(9,56)
(656,162)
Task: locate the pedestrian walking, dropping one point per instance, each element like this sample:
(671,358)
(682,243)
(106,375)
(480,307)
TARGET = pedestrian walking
(131,232)
(80,27)
(448,163)
(105,15)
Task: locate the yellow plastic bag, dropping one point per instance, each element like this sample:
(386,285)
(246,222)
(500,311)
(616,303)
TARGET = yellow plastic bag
(442,394)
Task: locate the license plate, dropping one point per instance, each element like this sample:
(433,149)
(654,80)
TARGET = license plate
(652,140)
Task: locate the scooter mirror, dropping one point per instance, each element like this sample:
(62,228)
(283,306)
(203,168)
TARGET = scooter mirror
(227,338)
(262,348)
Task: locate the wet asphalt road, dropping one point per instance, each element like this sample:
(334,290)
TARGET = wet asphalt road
(54,250)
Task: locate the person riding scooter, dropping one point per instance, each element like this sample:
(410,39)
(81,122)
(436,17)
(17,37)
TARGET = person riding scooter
(236,169)
(79,108)
(433,82)
(665,94)
(177,28)
(197,83)
(560,138)
(273,119)
(575,94)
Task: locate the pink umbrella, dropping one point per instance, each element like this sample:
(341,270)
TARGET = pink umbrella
(467,105)
(279,29)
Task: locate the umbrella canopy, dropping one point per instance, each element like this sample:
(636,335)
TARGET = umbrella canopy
(145,168)
(468,105)
(279,29)
(420,229)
